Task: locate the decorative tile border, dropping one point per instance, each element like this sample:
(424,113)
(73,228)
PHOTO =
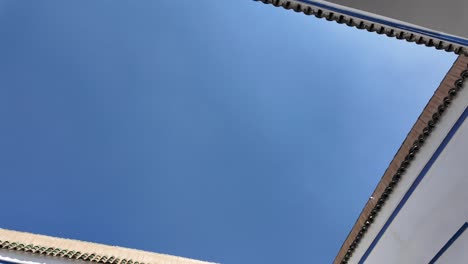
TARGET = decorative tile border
(411,154)
(64,253)
(330,13)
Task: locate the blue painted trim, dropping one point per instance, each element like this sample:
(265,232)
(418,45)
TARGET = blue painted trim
(7,262)
(415,184)
(449,243)
(444,37)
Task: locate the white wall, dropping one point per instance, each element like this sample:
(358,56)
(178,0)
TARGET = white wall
(436,209)
(28,258)
(457,253)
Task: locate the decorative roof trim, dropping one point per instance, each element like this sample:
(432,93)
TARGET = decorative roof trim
(64,253)
(352,21)
(407,152)
(83,251)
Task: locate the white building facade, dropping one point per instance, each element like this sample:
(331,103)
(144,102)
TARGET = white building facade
(419,211)
(26,248)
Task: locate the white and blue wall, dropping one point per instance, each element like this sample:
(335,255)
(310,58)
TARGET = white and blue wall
(425,219)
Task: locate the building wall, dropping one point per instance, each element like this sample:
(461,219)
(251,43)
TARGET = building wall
(444,16)
(10,257)
(429,206)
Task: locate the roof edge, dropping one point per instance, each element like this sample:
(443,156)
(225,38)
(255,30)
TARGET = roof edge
(443,96)
(352,21)
(84,251)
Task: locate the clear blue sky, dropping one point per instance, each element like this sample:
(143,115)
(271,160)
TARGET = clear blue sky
(228,131)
